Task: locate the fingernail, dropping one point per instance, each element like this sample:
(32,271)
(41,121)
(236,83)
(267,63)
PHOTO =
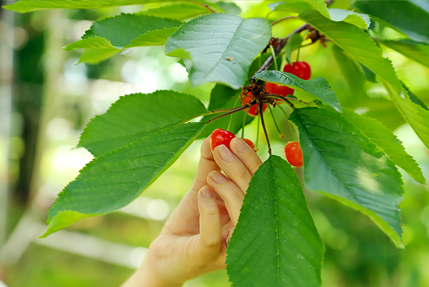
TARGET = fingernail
(207,192)
(226,154)
(218,177)
(240,145)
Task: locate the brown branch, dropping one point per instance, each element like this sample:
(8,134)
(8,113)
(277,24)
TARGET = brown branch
(261,113)
(282,19)
(208,7)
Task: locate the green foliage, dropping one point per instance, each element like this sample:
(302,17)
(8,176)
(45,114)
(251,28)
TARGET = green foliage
(342,162)
(113,180)
(418,51)
(358,19)
(179,11)
(222,47)
(275,242)
(135,116)
(318,87)
(293,44)
(401,15)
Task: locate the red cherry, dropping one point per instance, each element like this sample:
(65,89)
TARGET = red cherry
(250,143)
(253,110)
(219,137)
(293,154)
(278,89)
(300,69)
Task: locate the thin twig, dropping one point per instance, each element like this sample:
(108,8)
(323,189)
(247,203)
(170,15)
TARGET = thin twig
(232,111)
(284,99)
(281,135)
(282,19)
(208,7)
(261,112)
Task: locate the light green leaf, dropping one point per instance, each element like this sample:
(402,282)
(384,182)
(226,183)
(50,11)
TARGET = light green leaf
(295,6)
(223,97)
(275,242)
(113,180)
(222,47)
(33,5)
(136,115)
(385,139)
(404,15)
(341,162)
(318,87)
(95,56)
(416,51)
(360,20)
(179,11)
(228,7)
(362,48)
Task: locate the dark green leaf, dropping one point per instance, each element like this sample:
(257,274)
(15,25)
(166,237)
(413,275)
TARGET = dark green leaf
(404,15)
(33,5)
(416,51)
(275,242)
(221,47)
(341,162)
(415,99)
(113,180)
(385,139)
(133,116)
(294,43)
(318,87)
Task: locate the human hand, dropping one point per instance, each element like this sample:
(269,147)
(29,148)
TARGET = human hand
(194,239)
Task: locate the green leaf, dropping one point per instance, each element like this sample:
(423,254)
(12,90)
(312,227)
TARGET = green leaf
(361,47)
(318,87)
(414,98)
(295,6)
(294,43)
(125,31)
(358,19)
(136,115)
(179,11)
(33,5)
(385,139)
(229,7)
(222,47)
(113,180)
(416,51)
(404,15)
(95,56)
(352,73)
(275,242)
(341,162)
(223,97)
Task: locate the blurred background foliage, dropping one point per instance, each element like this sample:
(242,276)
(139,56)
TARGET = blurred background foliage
(41,158)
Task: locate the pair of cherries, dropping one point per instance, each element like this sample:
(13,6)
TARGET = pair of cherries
(300,69)
(292,150)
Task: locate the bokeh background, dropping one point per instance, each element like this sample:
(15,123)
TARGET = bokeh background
(46,99)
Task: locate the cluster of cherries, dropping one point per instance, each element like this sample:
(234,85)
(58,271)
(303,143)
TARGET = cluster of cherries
(292,149)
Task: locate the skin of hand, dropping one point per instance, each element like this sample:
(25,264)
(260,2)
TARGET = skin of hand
(194,239)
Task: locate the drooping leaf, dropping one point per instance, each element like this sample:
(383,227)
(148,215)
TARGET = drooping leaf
(223,97)
(358,19)
(415,99)
(275,242)
(95,56)
(179,11)
(33,5)
(416,51)
(341,162)
(113,180)
(404,15)
(385,139)
(125,31)
(362,48)
(136,115)
(221,47)
(294,43)
(318,87)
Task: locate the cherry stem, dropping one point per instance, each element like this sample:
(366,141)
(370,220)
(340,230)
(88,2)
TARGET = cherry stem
(261,112)
(230,118)
(284,99)
(281,135)
(257,134)
(232,111)
(244,125)
(208,7)
(282,19)
(275,58)
(292,129)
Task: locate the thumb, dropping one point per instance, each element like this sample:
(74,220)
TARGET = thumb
(210,238)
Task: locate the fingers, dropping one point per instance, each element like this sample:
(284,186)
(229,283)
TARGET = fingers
(230,193)
(205,166)
(210,229)
(246,154)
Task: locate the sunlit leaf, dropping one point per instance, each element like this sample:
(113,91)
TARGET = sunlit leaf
(360,20)
(275,242)
(416,51)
